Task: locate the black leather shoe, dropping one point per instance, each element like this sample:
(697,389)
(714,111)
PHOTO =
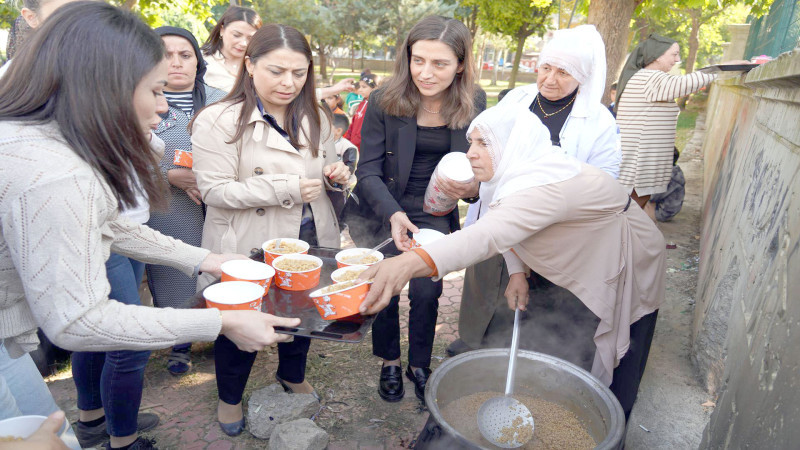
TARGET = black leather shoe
(458,347)
(92,436)
(419,377)
(391,385)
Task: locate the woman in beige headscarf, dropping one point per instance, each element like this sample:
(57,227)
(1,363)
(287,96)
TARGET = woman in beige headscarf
(570,222)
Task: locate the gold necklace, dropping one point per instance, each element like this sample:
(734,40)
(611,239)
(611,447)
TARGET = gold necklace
(539,102)
(429,111)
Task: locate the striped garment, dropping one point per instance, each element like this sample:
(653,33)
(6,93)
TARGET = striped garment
(181,100)
(647,116)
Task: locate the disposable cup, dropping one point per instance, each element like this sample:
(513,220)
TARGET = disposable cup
(248,270)
(234,295)
(425,237)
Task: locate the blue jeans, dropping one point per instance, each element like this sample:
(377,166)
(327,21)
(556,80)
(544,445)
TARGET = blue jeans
(113,380)
(22,389)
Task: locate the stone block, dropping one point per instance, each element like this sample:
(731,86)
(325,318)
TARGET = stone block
(271,406)
(300,434)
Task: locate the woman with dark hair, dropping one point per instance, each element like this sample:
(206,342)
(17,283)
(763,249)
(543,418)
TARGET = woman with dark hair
(76,157)
(224,49)
(417,116)
(263,158)
(186,93)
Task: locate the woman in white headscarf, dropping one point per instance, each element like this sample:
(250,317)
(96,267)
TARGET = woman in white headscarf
(570,222)
(566,98)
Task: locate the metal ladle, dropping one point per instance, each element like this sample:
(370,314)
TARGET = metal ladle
(501,419)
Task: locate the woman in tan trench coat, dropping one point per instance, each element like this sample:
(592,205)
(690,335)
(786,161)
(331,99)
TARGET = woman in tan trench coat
(264,157)
(570,222)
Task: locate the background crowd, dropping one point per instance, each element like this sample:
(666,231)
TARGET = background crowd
(217,147)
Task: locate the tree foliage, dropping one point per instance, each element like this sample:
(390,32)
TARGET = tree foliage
(516,19)
(695,24)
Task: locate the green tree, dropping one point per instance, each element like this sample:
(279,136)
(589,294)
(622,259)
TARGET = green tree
(516,19)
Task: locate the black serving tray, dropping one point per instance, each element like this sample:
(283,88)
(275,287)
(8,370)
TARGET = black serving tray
(729,68)
(285,303)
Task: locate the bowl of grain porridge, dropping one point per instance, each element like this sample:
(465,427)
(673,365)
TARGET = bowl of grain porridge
(347,273)
(297,272)
(571,408)
(340,300)
(358,257)
(288,246)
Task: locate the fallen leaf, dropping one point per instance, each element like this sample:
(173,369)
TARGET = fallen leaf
(709,404)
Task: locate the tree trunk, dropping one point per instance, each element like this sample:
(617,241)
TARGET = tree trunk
(521,36)
(613,21)
(129,4)
(323,62)
(642,28)
(495,59)
(480,58)
(694,42)
(352,56)
(473,22)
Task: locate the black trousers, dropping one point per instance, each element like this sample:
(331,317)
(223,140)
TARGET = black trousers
(423,297)
(233,366)
(629,372)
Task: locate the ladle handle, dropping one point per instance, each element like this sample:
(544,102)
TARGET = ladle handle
(512,358)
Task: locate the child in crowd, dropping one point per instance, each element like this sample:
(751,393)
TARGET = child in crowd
(366,85)
(334,103)
(612,93)
(347,153)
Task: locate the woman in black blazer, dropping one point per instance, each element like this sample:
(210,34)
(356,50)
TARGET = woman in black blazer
(421,114)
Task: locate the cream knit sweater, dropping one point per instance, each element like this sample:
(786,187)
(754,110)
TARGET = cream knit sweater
(59,223)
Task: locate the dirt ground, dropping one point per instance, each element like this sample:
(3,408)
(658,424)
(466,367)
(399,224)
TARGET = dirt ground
(668,414)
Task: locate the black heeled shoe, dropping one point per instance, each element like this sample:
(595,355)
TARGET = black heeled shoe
(391,384)
(232,429)
(420,378)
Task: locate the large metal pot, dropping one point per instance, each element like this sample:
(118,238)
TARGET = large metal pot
(540,375)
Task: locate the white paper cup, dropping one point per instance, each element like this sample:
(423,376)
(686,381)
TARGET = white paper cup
(456,167)
(24,426)
(234,295)
(425,237)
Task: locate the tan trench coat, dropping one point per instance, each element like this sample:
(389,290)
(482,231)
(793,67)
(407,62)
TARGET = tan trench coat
(252,186)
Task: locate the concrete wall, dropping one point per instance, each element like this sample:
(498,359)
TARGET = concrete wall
(746,328)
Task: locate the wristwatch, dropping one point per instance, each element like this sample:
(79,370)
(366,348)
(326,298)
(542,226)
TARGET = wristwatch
(472,200)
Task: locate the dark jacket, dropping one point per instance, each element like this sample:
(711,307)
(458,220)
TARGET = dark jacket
(388,144)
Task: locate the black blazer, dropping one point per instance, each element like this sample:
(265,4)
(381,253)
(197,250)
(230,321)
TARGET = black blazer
(388,144)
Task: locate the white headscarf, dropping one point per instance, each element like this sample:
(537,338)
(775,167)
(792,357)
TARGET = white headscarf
(580,51)
(521,152)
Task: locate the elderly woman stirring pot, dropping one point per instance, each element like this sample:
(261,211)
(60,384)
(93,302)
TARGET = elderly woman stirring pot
(566,98)
(570,222)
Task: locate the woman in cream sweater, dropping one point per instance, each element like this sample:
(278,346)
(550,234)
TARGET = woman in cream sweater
(59,207)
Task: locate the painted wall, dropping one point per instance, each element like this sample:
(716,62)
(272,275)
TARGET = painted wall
(746,337)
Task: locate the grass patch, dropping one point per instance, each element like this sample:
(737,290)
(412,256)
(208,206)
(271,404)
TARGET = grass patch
(685,128)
